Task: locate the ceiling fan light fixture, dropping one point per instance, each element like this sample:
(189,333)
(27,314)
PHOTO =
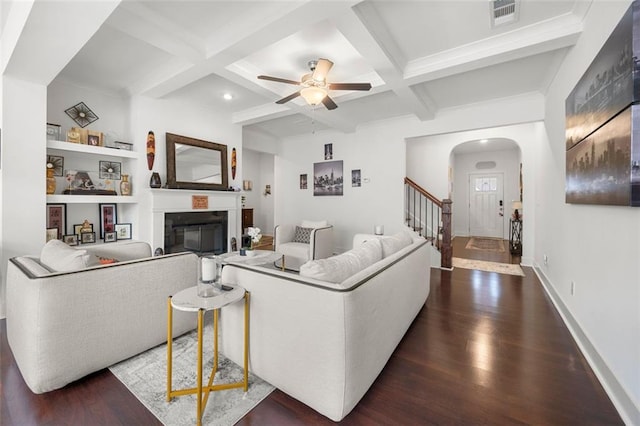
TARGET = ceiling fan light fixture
(313,95)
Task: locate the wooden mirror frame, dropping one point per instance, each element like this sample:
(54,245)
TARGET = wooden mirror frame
(172,140)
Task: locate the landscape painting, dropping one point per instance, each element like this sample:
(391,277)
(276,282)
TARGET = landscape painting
(328,178)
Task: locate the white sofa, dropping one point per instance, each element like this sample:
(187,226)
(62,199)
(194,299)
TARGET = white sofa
(324,341)
(305,241)
(62,326)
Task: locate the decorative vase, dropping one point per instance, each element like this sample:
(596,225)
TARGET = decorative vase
(125,185)
(155,182)
(151,149)
(51,181)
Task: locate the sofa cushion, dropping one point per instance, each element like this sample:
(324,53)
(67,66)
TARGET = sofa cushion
(314,224)
(59,257)
(395,243)
(338,268)
(302,235)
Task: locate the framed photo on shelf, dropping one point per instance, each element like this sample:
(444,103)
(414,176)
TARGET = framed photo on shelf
(57,218)
(88,237)
(110,237)
(82,227)
(53,132)
(71,239)
(109,170)
(108,218)
(57,162)
(123,145)
(94,138)
(52,234)
(123,231)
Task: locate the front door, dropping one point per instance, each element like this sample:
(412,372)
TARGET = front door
(486,208)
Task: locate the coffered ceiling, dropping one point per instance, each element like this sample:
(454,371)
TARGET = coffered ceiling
(420,56)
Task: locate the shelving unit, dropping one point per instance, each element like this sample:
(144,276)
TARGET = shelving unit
(86,157)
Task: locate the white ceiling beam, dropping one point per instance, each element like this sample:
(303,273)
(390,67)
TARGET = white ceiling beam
(139,21)
(43,49)
(366,31)
(252,41)
(553,34)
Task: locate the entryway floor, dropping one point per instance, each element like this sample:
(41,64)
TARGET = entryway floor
(477,253)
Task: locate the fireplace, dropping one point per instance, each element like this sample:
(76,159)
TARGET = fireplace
(200,232)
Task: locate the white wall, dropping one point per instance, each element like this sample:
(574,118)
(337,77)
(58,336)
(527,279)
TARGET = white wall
(23,171)
(507,163)
(378,150)
(195,121)
(258,168)
(596,247)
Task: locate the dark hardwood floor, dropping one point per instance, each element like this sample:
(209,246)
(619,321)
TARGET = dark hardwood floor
(486,349)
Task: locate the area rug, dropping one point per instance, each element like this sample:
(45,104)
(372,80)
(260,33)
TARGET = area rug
(145,375)
(484,243)
(481,265)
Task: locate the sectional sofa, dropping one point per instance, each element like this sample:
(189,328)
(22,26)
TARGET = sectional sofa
(323,335)
(68,315)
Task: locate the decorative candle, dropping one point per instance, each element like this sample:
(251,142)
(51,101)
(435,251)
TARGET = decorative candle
(379,230)
(208,269)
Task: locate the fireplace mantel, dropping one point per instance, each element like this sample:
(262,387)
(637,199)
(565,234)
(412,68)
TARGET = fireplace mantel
(180,200)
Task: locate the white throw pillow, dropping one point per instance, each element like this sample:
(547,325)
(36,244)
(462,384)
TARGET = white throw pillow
(338,268)
(59,257)
(395,243)
(312,224)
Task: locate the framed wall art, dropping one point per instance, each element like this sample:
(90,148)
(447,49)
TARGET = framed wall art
(57,218)
(328,178)
(356,178)
(108,218)
(110,237)
(303,181)
(57,162)
(123,231)
(328,151)
(110,170)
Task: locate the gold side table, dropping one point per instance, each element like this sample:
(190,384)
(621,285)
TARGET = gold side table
(188,300)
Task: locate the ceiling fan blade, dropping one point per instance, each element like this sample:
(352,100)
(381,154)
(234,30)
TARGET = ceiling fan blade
(279,80)
(288,98)
(328,102)
(322,69)
(350,86)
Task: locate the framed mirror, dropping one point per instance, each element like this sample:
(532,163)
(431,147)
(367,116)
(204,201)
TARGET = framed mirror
(195,164)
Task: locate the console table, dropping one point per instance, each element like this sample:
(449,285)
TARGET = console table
(188,300)
(515,236)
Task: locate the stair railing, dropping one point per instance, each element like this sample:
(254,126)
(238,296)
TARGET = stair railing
(429,217)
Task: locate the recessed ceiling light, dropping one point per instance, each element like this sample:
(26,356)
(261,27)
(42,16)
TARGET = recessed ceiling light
(484,140)
(227,96)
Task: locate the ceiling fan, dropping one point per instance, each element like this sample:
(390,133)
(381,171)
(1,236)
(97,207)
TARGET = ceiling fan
(314,85)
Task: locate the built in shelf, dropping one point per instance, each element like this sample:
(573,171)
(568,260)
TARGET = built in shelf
(90,149)
(85,199)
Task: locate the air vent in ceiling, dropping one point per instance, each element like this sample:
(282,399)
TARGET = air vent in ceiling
(503,12)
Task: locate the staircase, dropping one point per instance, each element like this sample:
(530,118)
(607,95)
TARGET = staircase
(429,217)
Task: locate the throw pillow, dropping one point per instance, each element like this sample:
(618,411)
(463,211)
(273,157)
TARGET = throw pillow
(316,224)
(59,257)
(302,235)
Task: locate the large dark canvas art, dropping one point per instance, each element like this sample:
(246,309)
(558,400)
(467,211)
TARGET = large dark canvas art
(609,85)
(328,178)
(603,123)
(598,169)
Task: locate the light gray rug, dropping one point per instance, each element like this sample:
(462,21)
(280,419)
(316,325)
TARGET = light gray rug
(146,377)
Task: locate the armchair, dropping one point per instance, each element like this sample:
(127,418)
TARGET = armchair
(307,241)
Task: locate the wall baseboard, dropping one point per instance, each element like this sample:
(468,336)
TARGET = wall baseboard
(626,407)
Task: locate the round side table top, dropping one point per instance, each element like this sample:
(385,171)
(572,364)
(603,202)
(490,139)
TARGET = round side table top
(188,299)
